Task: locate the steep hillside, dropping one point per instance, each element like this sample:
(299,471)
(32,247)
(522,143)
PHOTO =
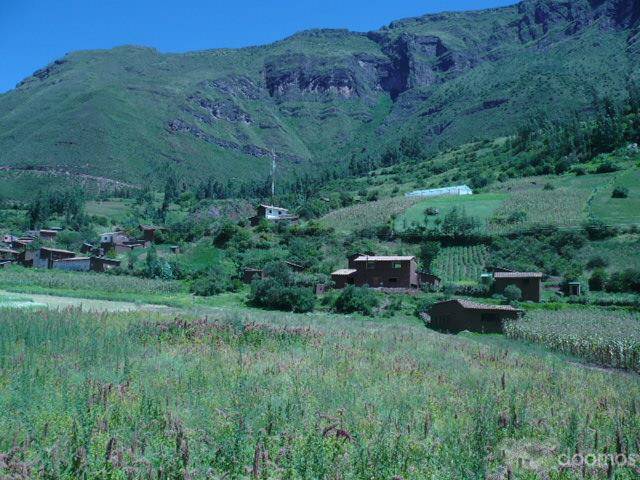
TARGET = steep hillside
(318,97)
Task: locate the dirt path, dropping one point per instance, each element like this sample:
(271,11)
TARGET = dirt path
(21,300)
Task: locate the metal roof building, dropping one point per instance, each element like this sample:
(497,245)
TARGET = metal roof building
(434,192)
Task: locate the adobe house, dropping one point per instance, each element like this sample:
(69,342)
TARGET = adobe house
(572,288)
(378,271)
(8,254)
(48,234)
(46,256)
(458,315)
(529,283)
(101,264)
(426,278)
(148,233)
(109,240)
(272,213)
(73,264)
(249,274)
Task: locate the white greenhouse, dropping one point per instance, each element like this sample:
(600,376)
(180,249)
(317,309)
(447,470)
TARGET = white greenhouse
(434,192)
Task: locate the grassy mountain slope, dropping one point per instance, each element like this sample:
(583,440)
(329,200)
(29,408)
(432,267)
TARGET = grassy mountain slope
(318,97)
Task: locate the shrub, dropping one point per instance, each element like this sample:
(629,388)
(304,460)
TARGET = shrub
(607,167)
(597,262)
(625,281)
(356,299)
(512,293)
(620,192)
(598,280)
(598,230)
(280,291)
(216,281)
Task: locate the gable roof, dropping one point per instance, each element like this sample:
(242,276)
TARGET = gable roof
(344,272)
(383,258)
(56,250)
(517,275)
(469,305)
(274,207)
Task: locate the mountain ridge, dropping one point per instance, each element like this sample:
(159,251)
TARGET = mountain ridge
(318,97)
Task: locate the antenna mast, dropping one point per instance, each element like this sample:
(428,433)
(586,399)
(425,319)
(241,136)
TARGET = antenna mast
(273,174)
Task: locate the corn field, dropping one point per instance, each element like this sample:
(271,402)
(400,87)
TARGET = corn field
(610,338)
(367,215)
(459,264)
(57,279)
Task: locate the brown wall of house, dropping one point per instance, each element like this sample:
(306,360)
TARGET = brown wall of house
(382,274)
(341,281)
(531,288)
(452,317)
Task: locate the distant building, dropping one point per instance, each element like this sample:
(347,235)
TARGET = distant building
(425,278)
(251,274)
(8,254)
(435,192)
(378,271)
(120,242)
(271,213)
(148,233)
(102,264)
(529,283)
(458,315)
(46,256)
(75,264)
(572,289)
(46,234)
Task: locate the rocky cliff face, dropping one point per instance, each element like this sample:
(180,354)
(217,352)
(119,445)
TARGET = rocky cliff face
(320,96)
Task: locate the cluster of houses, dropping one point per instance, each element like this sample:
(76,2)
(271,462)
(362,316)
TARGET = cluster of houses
(92,258)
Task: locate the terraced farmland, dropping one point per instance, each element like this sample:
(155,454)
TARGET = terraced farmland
(461,264)
(367,215)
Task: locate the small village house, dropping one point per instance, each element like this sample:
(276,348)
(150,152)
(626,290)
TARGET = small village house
(102,264)
(119,241)
(73,264)
(8,254)
(426,278)
(250,274)
(572,289)
(378,272)
(48,234)
(529,283)
(148,234)
(46,256)
(458,315)
(272,213)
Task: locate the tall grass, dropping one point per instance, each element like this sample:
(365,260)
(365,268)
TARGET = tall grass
(287,397)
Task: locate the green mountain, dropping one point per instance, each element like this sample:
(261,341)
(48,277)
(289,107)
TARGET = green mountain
(318,97)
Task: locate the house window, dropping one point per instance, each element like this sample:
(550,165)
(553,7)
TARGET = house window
(393,280)
(371,265)
(489,317)
(397,265)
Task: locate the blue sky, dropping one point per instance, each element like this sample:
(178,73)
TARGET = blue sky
(36,32)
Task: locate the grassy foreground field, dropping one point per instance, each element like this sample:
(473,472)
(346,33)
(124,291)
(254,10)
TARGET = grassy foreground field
(291,397)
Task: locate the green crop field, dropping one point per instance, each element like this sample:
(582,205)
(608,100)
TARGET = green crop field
(480,206)
(142,396)
(614,211)
(461,264)
(116,208)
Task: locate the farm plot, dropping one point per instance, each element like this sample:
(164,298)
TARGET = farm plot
(561,207)
(604,337)
(367,215)
(481,207)
(618,211)
(461,264)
